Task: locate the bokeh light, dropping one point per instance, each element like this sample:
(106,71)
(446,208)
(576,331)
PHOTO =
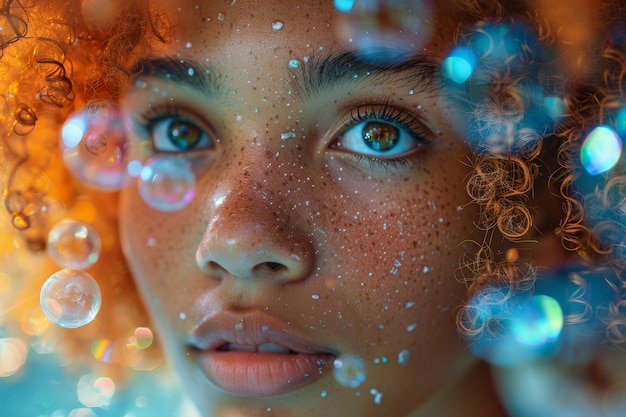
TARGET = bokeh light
(70,298)
(13,354)
(167,183)
(601,150)
(382,30)
(459,65)
(104,350)
(95,146)
(516,328)
(74,244)
(349,370)
(538,322)
(142,338)
(95,391)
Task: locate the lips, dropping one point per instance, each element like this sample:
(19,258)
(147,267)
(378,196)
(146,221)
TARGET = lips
(255,355)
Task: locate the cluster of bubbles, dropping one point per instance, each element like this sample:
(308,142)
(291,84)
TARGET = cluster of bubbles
(96,148)
(349,370)
(385,26)
(71,297)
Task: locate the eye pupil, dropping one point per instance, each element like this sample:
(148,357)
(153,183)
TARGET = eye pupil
(184,135)
(380,136)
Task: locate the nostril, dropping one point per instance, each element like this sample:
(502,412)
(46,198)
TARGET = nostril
(273,267)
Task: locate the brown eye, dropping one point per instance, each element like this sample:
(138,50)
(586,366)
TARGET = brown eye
(380,137)
(184,135)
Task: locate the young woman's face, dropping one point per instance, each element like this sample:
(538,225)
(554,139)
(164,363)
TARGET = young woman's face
(328,219)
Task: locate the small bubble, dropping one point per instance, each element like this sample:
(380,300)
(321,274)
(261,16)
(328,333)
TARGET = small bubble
(190,71)
(182,316)
(167,183)
(70,298)
(188,45)
(287,135)
(349,370)
(315,297)
(220,16)
(411,327)
(74,244)
(324,394)
(277,25)
(294,63)
(411,92)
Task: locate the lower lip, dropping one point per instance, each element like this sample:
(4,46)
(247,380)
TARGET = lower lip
(254,374)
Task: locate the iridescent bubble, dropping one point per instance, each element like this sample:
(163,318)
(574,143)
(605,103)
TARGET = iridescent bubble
(70,298)
(460,64)
(601,150)
(538,322)
(349,370)
(381,29)
(95,146)
(167,183)
(74,244)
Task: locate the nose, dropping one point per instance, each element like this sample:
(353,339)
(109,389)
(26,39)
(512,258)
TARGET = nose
(247,239)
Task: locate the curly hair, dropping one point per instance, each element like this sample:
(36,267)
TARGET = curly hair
(520,147)
(56,58)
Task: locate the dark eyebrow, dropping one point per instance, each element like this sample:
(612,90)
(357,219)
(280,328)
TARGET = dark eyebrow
(420,72)
(191,74)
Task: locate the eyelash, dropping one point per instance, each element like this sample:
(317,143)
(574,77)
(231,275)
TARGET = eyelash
(394,116)
(364,113)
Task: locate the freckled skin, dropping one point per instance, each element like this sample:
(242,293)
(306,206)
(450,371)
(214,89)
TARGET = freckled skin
(368,240)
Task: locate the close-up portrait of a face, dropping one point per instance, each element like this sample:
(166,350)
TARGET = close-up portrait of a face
(348,208)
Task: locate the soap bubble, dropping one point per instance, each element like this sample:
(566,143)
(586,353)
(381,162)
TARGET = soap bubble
(382,29)
(167,183)
(74,244)
(70,298)
(349,370)
(95,147)
(601,150)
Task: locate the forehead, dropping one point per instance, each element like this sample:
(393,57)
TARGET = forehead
(279,27)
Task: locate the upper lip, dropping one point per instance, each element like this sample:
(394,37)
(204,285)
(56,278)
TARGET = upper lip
(252,328)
